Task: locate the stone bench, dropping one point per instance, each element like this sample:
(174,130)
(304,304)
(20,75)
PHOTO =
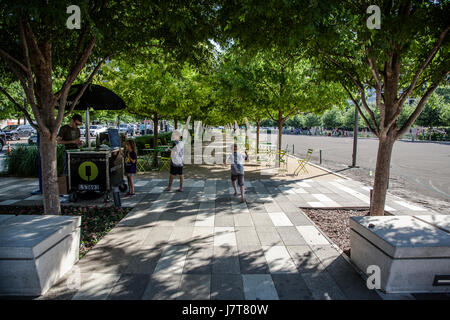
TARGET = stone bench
(412,252)
(36,251)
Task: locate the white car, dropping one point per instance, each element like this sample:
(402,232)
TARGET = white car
(95,129)
(123,127)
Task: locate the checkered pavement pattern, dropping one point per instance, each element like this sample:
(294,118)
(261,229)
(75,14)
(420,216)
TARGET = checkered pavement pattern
(203,244)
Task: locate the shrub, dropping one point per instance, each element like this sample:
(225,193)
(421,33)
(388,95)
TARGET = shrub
(141,141)
(23,161)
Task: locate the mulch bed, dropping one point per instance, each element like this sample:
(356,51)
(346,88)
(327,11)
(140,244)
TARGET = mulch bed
(335,224)
(95,221)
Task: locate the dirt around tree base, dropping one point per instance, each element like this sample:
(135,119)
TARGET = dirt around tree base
(335,224)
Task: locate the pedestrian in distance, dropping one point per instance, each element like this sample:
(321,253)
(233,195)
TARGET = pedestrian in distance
(237,170)
(130,165)
(176,160)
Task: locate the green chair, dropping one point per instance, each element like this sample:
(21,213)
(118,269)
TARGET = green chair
(302,163)
(165,163)
(144,162)
(282,159)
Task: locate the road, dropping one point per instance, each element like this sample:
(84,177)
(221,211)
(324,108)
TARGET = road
(420,171)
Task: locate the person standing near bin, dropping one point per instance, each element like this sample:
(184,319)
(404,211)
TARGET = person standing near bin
(176,160)
(70,136)
(130,165)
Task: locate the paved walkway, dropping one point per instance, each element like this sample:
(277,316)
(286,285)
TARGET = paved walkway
(310,193)
(204,244)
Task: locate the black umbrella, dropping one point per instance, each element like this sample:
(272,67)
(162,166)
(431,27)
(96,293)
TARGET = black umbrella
(95,97)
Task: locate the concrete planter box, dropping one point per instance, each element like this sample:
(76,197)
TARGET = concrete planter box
(36,251)
(413,253)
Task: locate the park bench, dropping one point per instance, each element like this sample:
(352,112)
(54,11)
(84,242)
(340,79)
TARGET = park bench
(36,251)
(412,252)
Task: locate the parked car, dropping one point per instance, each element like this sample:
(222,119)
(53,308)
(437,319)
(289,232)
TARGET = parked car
(123,127)
(32,139)
(10,132)
(95,129)
(15,132)
(2,140)
(82,130)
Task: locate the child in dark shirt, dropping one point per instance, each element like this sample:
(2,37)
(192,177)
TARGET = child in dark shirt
(130,164)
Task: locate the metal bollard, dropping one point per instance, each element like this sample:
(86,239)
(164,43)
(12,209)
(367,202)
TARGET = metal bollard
(320,156)
(116,196)
(293,152)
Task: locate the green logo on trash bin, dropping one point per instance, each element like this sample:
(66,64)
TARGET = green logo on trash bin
(88,171)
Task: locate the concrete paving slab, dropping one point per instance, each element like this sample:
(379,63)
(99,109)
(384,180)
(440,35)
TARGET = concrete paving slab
(305,259)
(144,261)
(261,219)
(243,220)
(322,286)
(226,260)
(272,207)
(298,218)
(172,260)
(268,236)
(195,287)
(202,236)
(97,287)
(279,219)
(181,235)
(290,236)
(312,235)
(158,236)
(129,287)
(227,287)
(279,260)
(259,287)
(163,286)
(223,219)
(291,287)
(252,260)
(327,254)
(104,259)
(246,236)
(224,236)
(199,260)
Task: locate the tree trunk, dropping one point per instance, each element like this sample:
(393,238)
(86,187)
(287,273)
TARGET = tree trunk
(176,124)
(155,131)
(280,129)
(385,146)
(50,190)
(257,136)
